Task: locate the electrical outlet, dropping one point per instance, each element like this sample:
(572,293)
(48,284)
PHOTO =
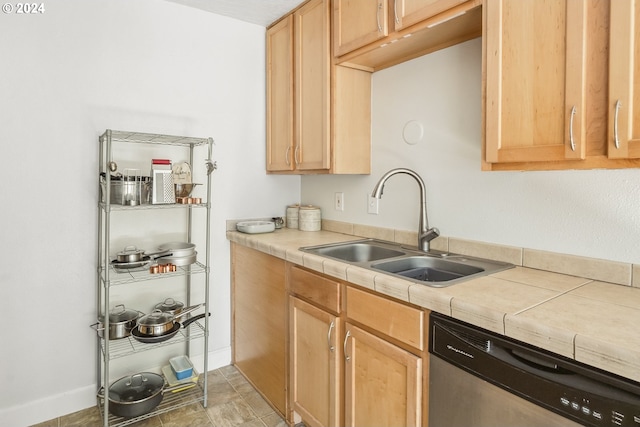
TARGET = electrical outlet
(372,204)
(339,202)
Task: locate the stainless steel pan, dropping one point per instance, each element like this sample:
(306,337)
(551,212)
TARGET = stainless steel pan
(146,339)
(158,322)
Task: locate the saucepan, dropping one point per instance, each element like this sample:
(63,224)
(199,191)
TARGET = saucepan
(121,322)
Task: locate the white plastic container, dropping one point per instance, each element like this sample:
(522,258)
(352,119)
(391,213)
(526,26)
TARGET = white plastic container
(310,218)
(292,216)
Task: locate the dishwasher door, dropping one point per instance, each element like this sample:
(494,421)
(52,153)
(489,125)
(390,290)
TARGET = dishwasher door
(459,399)
(479,378)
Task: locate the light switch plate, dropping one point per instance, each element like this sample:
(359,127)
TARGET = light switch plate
(339,201)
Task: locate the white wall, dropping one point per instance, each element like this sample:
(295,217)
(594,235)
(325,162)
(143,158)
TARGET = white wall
(65,77)
(592,213)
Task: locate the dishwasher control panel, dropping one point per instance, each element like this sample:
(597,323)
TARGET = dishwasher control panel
(576,391)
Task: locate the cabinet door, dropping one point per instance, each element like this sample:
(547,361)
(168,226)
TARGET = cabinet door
(315,385)
(357,23)
(382,382)
(408,12)
(624,80)
(312,73)
(535,80)
(279,51)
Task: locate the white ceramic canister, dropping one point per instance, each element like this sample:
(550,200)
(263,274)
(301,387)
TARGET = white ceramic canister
(310,218)
(292,216)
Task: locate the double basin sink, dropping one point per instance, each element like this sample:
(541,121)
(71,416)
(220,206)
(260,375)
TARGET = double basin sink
(436,269)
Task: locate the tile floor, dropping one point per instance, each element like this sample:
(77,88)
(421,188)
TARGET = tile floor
(231,402)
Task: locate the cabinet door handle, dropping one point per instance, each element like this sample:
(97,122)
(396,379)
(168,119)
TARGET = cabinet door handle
(286,156)
(395,11)
(295,155)
(331,326)
(378,17)
(344,346)
(616,136)
(571,140)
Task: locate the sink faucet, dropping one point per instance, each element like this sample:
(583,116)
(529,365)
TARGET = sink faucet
(425,234)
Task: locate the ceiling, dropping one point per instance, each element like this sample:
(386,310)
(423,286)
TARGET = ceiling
(261,12)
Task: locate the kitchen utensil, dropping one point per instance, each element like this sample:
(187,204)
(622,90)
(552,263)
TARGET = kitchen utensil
(162,190)
(184,190)
(178,249)
(170,306)
(121,322)
(129,265)
(132,257)
(146,339)
(178,260)
(130,254)
(135,395)
(158,323)
(125,190)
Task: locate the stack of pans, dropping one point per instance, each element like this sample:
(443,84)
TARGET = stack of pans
(176,253)
(181,253)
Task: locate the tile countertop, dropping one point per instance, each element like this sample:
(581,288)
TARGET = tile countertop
(594,322)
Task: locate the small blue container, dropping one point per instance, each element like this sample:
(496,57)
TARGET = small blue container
(181,366)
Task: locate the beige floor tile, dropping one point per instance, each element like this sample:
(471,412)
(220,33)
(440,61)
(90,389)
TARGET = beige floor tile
(273,420)
(258,404)
(192,416)
(230,413)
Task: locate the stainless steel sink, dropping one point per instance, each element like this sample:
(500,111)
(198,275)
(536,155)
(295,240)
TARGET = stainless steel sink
(431,268)
(357,251)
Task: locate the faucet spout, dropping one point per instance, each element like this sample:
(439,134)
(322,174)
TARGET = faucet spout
(425,234)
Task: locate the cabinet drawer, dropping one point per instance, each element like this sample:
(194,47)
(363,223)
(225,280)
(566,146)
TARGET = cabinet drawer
(315,288)
(396,320)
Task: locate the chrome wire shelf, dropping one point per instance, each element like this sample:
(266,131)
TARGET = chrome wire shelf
(139,274)
(152,138)
(114,207)
(170,401)
(126,346)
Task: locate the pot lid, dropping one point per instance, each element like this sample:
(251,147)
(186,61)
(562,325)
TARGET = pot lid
(120,314)
(136,388)
(131,250)
(155,318)
(169,305)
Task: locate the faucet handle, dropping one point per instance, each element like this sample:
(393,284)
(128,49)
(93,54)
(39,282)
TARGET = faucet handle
(431,234)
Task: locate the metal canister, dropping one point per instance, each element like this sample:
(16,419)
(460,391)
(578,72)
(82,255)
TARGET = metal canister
(310,218)
(292,216)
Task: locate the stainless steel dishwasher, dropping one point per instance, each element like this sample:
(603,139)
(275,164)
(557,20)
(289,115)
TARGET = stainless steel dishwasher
(478,378)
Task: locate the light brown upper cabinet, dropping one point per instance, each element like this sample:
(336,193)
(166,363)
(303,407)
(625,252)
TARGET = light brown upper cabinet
(547,67)
(535,82)
(624,81)
(361,22)
(280,96)
(317,114)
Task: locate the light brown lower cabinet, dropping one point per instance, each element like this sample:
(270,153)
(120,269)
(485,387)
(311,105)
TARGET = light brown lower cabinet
(315,362)
(383,383)
(358,368)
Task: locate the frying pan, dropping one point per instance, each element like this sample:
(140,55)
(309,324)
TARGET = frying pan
(130,264)
(147,339)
